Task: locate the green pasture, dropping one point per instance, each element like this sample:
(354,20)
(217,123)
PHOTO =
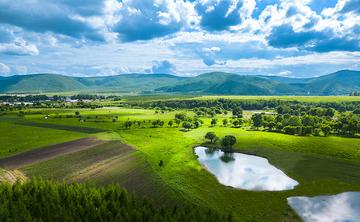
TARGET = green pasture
(16,138)
(322,165)
(184,174)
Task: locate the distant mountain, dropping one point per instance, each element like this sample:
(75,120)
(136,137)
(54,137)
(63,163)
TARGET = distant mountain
(227,83)
(338,83)
(38,83)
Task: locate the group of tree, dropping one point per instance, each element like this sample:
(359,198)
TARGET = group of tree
(187,122)
(46,98)
(162,110)
(227,142)
(216,106)
(136,123)
(157,123)
(47,105)
(346,124)
(39,200)
(300,110)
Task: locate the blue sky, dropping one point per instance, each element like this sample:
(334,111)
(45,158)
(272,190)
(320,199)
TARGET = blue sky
(298,38)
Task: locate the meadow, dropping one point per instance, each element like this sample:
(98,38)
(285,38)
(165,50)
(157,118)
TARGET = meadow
(132,156)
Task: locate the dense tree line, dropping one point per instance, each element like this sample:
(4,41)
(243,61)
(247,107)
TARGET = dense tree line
(39,200)
(346,124)
(55,98)
(228,104)
(28,98)
(87,97)
(48,105)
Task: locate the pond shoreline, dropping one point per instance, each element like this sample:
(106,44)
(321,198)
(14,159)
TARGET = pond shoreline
(243,171)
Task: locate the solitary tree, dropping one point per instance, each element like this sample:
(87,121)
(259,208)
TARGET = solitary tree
(170,123)
(211,136)
(187,125)
(180,116)
(161,123)
(177,121)
(127,124)
(228,141)
(237,123)
(213,122)
(197,124)
(225,122)
(257,120)
(238,112)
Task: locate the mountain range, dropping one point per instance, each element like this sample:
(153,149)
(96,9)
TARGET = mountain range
(339,83)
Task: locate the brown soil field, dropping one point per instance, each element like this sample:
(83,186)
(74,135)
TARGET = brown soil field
(45,153)
(109,163)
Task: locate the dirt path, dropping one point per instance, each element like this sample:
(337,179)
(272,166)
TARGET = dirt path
(48,152)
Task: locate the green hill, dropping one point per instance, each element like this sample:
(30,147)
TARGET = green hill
(38,83)
(232,84)
(339,83)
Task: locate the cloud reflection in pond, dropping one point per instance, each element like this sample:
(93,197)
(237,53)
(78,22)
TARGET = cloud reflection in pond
(344,207)
(244,171)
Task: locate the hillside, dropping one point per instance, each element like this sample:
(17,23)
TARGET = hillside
(37,83)
(338,83)
(341,82)
(226,83)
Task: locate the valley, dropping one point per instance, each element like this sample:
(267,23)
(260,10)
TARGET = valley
(149,150)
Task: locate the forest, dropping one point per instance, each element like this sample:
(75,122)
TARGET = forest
(40,200)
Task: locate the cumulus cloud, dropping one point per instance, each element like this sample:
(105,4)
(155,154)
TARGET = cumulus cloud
(217,52)
(143,20)
(321,41)
(351,6)
(209,56)
(295,24)
(195,35)
(4,69)
(61,17)
(19,48)
(5,35)
(162,67)
(217,15)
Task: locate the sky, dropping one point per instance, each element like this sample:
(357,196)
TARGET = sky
(292,38)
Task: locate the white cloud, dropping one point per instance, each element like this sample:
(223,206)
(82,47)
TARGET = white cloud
(19,47)
(4,69)
(212,49)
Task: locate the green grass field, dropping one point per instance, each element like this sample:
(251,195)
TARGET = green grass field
(183,172)
(322,165)
(17,138)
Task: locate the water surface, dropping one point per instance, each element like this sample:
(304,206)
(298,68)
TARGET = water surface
(344,207)
(244,171)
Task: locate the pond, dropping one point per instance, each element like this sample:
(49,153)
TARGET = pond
(344,207)
(244,171)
